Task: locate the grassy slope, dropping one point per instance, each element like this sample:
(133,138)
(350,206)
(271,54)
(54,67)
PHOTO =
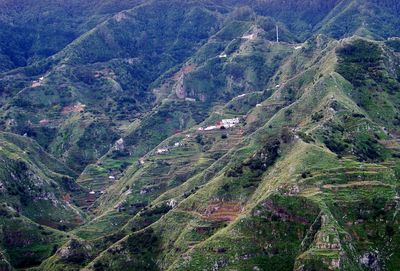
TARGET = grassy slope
(33,180)
(316,178)
(26,243)
(113,84)
(34,189)
(138,178)
(374,19)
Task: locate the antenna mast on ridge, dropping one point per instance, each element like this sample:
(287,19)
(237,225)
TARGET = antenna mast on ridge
(277,33)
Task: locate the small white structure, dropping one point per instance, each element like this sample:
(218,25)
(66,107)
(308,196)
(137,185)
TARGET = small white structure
(258,105)
(111,177)
(225,123)
(249,37)
(92,193)
(298,47)
(222,55)
(241,95)
(172,203)
(190,100)
(119,145)
(161,150)
(209,128)
(37,83)
(177,144)
(228,123)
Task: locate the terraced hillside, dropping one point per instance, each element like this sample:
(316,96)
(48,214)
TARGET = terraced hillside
(159,135)
(250,195)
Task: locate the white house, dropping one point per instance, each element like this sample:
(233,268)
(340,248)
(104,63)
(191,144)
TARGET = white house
(209,128)
(228,123)
(161,150)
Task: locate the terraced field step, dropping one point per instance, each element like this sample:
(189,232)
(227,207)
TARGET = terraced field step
(369,167)
(354,184)
(373,169)
(362,176)
(222,211)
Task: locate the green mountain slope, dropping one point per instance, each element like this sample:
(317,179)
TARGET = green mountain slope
(37,192)
(36,184)
(34,30)
(248,196)
(376,19)
(181,135)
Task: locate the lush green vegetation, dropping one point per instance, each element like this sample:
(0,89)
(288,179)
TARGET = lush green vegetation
(116,154)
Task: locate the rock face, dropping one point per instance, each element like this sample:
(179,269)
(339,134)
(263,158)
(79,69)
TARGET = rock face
(370,260)
(179,88)
(119,145)
(75,252)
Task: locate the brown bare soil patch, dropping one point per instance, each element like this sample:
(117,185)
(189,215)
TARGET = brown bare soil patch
(36,84)
(44,122)
(185,70)
(222,211)
(391,144)
(76,108)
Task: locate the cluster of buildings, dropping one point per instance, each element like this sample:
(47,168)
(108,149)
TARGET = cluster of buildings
(225,123)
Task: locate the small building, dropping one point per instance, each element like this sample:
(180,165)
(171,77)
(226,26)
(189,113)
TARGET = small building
(177,144)
(228,123)
(91,197)
(209,128)
(161,150)
(36,84)
(119,145)
(249,37)
(172,203)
